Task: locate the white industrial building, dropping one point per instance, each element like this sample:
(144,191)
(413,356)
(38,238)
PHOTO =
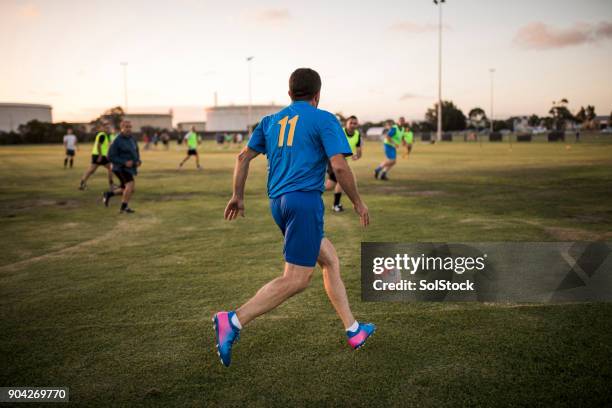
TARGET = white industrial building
(235,118)
(14,114)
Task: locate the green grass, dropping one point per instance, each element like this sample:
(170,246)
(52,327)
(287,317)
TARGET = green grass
(118,307)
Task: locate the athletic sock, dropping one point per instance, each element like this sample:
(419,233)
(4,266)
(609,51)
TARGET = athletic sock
(71,161)
(124,206)
(383,173)
(337,197)
(353,327)
(236,322)
(110,193)
(65,162)
(379,168)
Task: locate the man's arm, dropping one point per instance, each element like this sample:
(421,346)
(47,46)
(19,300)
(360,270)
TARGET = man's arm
(345,177)
(235,206)
(357,154)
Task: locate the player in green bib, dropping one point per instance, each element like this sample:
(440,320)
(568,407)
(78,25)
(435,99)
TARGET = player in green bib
(99,155)
(392,141)
(192,140)
(354,139)
(409,140)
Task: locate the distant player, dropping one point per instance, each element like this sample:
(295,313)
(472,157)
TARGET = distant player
(99,155)
(192,148)
(354,139)
(70,146)
(125,157)
(409,140)
(298,142)
(393,139)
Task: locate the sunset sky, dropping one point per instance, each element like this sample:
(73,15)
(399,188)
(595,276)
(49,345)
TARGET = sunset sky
(377,59)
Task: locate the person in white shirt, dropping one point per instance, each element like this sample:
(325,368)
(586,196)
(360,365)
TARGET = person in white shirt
(70,144)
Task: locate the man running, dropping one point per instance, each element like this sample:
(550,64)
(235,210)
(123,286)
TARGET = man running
(125,157)
(298,142)
(354,139)
(392,141)
(192,148)
(99,156)
(409,139)
(70,145)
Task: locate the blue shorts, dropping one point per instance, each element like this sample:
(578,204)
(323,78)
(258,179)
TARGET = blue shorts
(390,152)
(299,215)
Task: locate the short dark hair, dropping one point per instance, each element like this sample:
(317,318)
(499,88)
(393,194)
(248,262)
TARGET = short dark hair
(304,84)
(351,117)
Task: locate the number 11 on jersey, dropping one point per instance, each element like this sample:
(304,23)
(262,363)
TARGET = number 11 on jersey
(283,127)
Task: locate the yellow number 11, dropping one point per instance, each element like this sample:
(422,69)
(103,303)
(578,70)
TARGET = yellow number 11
(281,134)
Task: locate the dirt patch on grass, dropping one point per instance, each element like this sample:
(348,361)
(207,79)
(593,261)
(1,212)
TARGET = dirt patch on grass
(38,203)
(123,227)
(576,234)
(411,193)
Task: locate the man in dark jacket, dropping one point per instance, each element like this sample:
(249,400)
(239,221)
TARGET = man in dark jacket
(125,158)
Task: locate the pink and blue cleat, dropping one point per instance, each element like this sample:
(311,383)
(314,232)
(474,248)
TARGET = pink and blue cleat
(225,334)
(358,338)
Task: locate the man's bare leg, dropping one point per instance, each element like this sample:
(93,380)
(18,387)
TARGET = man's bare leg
(294,280)
(127,192)
(183,162)
(336,292)
(91,170)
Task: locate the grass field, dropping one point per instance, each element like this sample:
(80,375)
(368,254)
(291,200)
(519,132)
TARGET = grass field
(117,307)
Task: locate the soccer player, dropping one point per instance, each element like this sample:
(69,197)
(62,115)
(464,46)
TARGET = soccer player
(99,156)
(298,141)
(70,145)
(392,141)
(409,140)
(354,139)
(192,148)
(125,157)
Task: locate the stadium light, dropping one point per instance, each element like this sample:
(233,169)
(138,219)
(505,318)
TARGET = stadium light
(492,71)
(249,59)
(439,132)
(125,92)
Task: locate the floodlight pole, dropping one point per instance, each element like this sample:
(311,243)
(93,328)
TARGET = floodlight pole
(439,132)
(249,59)
(492,71)
(125,91)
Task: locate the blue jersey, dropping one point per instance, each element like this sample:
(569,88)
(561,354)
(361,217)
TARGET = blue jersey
(298,142)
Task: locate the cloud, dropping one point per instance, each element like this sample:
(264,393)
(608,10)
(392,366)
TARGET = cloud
(409,95)
(540,36)
(415,28)
(272,15)
(29,11)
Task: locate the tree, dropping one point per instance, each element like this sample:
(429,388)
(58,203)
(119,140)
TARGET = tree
(477,117)
(534,120)
(560,114)
(590,113)
(581,115)
(113,115)
(452,117)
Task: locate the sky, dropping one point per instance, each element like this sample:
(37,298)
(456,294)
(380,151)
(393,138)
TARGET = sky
(377,59)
